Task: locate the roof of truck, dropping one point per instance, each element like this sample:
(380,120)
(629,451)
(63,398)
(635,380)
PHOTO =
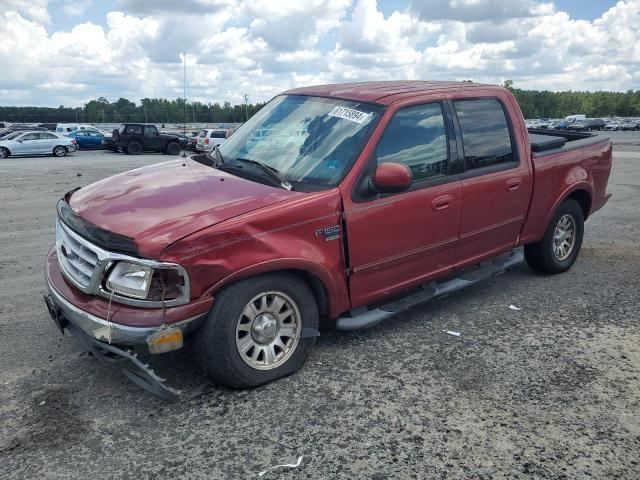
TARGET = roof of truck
(386,92)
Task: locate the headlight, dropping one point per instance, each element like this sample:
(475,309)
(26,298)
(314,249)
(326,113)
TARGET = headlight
(130,280)
(142,282)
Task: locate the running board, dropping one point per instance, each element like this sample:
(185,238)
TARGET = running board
(364,318)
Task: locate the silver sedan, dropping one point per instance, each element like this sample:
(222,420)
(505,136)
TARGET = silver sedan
(36,143)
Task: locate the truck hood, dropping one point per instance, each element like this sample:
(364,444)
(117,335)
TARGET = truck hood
(162,203)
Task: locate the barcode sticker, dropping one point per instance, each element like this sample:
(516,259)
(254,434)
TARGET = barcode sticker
(349,114)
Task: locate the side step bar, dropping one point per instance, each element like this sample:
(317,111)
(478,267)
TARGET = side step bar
(364,318)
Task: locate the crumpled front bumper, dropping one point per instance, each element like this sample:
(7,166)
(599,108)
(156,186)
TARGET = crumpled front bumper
(110,332)
(126,360)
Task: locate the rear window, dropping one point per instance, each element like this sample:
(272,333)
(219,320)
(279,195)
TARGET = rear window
(203,134)
(485,133)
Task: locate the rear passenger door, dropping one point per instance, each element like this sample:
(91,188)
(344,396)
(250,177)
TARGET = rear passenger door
(402,239)
(47,142)
(496,181)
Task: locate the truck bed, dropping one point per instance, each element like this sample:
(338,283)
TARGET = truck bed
(550,142)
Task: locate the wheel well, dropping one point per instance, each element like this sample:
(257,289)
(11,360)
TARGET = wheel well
(317,286)
(584,200)
(318,289)
(7,150)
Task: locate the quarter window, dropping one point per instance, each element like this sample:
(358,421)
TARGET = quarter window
(485,133)
(416,137)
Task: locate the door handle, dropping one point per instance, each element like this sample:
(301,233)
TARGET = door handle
(513,184)
(440,203)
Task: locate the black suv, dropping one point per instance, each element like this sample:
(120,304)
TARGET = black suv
(135,138)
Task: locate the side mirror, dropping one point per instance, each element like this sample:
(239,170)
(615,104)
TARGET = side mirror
(20,141)
(392,177)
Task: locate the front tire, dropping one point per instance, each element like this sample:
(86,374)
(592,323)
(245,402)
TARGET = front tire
(173,148)
(255,332)
(59,151)
(4,153)
(559,248)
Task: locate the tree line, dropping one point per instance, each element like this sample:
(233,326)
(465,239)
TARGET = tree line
(534,104)
(546,104)
(149,110)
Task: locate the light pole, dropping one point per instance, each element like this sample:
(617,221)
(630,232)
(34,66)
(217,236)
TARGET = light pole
(246,113)
(184,96)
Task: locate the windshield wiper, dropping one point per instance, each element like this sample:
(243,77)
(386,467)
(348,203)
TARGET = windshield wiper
(272,172)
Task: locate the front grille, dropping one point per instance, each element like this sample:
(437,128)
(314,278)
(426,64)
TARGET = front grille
(78,258)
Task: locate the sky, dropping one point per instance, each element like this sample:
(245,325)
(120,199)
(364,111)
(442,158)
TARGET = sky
(68,52)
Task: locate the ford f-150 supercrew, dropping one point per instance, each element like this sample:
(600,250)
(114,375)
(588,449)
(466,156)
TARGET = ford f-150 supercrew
(347,202)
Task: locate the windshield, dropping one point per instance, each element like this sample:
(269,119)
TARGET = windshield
(307,140)
(13,135)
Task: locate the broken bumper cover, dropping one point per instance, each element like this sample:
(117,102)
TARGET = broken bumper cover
(113,333)
(94,334)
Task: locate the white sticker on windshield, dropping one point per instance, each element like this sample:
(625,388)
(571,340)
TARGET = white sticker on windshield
(349,114)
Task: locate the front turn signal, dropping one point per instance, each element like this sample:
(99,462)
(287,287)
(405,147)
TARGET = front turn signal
(166,339)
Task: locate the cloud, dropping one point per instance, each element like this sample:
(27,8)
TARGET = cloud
(263,48)
(478,10)
(76,9)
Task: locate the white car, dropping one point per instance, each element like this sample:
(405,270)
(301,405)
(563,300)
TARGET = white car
(65,128)
(209,138)
(36,143)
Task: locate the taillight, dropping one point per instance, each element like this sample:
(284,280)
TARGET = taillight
(73,140)
(206,141)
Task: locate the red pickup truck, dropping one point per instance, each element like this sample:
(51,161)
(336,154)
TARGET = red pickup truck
(349,202)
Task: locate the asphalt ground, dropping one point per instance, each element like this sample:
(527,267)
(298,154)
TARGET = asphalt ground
(549,391)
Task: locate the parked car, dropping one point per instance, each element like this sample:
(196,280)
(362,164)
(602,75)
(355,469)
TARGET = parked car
(595,124)
(630,125)
(182,138)
(192,140)
(398,195)
(209,138)
(87,138)
(612,126)
(36,143)
(134,138)
(19,128)
(72,127)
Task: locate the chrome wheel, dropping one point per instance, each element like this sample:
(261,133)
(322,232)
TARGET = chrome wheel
(59,151)
(564,237)
(268,330)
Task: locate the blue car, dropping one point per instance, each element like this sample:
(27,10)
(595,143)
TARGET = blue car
(87,139)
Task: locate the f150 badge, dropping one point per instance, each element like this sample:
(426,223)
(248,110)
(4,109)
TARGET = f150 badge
(329,233)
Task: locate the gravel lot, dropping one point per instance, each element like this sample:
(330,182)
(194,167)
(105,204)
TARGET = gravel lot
(551,391)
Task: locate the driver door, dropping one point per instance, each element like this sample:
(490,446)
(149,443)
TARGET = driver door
(403,239)
(152,138)
(27,144)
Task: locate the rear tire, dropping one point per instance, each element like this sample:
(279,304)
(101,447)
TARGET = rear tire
(247,341)
(59,151)
(559,248)
(4,153)
(134,148)
(173,149)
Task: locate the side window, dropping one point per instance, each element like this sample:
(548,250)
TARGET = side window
(47,136)
(485,133)
(416,137)
(134,130)
(31,136)
(150,131)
